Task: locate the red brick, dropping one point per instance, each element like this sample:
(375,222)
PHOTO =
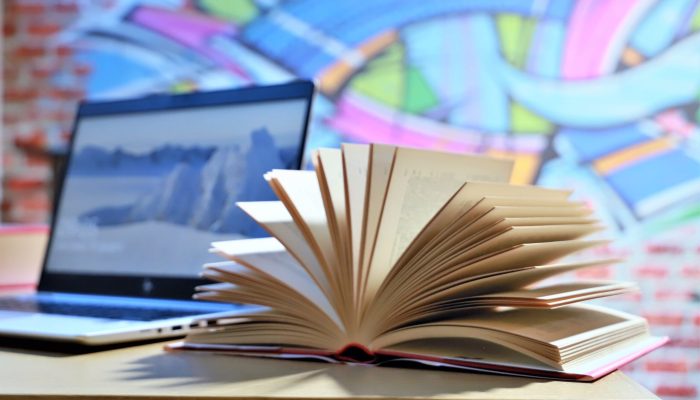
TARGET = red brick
(67,93)
(595,273)
(28,8)
(17,94)
(42,73)
(36,140)
(629,367)
(66,7)
(38,161)
(691,271)
(651,271)
(664,248)
(666,319)
(23,215)
(680,366)
(5,206)
(10,72)
(24,183)
(58,116)
(673,294)
(688,391)
(10,118)
(35,203)
(31,114)
(30,51)
(65,135)
(64,51)
(82,69)
(43,29)
(9,29)
(692,342)
(634,297)
(609,252)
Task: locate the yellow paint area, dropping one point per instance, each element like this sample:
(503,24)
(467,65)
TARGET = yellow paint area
(333,77)
(621,158)
(524,166)
(632,57)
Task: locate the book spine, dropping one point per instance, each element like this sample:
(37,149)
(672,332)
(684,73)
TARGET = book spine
(355,353)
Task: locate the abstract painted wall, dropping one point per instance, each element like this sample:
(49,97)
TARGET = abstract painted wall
(599,96)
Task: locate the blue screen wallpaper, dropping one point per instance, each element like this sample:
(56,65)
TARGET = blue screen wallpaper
(147,192)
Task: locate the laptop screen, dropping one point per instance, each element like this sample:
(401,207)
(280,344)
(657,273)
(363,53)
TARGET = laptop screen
(148,188)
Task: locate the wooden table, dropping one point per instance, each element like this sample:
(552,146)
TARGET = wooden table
(147,372)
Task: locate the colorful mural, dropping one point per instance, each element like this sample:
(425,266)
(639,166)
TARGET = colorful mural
(599,96)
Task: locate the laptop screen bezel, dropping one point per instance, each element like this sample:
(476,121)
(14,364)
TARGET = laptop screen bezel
(159,286)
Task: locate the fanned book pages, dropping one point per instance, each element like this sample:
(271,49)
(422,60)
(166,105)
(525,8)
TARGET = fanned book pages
(393,255)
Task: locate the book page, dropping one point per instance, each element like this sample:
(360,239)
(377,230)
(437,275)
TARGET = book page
(480,221)
(396,309)
(229,248)
(381,162)
(253,288)
(492,225)
(498,240)
(276,263)
(515,235)
(241,284)
(356,166)
(550,296)
(261,330)
(511,280)
(300,193)
(540,333)
(331,178)
(523,255)
(556,327)
(445,279)
(489,209)
(467,348)
(546,297)
(467,196)
(556,295)
(559,291)
(275,218)
(250,287)
(420,184)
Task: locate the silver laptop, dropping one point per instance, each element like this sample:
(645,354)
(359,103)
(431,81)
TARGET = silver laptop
(148,184)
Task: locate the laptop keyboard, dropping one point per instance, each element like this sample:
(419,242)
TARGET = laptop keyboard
(92,310)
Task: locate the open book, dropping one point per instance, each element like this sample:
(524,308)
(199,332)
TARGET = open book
(386,254)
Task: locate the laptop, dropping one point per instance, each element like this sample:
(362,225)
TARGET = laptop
(149,183)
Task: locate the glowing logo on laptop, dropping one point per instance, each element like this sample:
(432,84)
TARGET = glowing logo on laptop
(147,286)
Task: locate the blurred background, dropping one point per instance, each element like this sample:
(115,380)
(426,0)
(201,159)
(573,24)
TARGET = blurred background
(600,96)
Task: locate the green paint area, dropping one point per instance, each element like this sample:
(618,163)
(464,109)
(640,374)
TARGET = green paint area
(382,79)
(689,214)
(388,80)
(695,22)
(516,34)
(525,121)
(419,96)
(239,11)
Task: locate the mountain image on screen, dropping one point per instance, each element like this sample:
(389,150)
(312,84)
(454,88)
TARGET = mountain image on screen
(199,187)
(94,160)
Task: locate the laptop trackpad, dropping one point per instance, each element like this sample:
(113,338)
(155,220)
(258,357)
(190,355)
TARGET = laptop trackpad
(56,325)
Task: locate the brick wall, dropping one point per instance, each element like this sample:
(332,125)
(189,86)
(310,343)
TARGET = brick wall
(42,84)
